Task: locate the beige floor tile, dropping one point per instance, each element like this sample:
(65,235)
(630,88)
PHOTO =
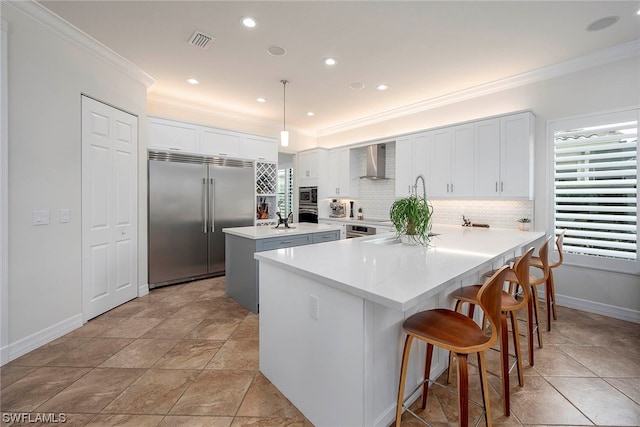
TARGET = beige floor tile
(155,392)
(125,421)
(214,329)
(248,329)
(236,355)
(92,352)
(598,400)
(629,386)
(94,391)
(12,373)
(127,309)
(36,388)
(132,327)
(48,352)
(96,327)
(196,310)
(195,421)
(214,393)
(158,310)
(173,328)
(142,353)
(552,361)
(189,354)
(264,400)
(539,403)
(602,361)
(267,422)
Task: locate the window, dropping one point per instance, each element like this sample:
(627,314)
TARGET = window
(285,191)
(595,189)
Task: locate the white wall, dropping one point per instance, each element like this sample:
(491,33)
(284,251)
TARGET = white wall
(47,75)
(603,88)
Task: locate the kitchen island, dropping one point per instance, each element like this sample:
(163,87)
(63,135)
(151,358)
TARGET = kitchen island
(241,270)
(331,315)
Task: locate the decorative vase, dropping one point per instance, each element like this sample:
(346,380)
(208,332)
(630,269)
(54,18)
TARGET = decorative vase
(523,226)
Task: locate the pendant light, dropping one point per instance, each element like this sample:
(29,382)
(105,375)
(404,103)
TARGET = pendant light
(284,134)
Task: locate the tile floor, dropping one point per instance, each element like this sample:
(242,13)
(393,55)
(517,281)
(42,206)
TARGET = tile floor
(188,356)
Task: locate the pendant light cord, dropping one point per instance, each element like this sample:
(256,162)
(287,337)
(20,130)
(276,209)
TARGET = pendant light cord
(284,104)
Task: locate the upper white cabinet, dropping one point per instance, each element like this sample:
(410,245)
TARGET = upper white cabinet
(171,135)
(219,142)
(412,159)
(342,182)
(259,148)
(504,157)
(451,164)
(309,164)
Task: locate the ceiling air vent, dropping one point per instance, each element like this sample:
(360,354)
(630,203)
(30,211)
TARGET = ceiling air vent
(200,39)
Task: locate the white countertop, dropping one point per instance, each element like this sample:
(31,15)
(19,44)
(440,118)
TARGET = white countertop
(398,276)
(367,221)
(265,232)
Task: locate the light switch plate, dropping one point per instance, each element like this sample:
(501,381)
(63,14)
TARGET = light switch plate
(64,215)
(40,217)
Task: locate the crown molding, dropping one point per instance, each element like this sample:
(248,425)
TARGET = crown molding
(603,57)
(73,34)
(156,97)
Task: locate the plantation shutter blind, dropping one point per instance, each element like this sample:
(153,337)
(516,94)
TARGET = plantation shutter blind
(596,174)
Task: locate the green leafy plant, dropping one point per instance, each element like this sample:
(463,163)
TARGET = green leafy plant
(411,216)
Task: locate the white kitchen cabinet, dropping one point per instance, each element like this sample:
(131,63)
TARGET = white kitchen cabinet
(219,142)
(451,163)
(342,225)
(504,157)
(342,182)
(170,135)
(309,164)
(412,159)
(259,148)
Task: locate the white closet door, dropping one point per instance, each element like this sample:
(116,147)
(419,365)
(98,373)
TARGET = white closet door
(109,207)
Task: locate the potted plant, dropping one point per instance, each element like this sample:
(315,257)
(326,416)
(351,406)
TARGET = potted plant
(411,217)
(523,224)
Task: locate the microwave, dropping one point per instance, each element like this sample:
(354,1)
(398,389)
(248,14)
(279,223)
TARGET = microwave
(308,195)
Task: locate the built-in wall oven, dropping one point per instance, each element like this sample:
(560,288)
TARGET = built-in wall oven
(308,204)
(359,231)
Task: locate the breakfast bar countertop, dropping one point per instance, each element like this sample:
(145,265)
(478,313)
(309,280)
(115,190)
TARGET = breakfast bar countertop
(382,270)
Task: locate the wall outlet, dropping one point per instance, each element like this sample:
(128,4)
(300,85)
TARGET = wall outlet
(314,307)
(40,217)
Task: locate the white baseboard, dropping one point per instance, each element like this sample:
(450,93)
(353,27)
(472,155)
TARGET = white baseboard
(143,290)
(599,308)
(40,338)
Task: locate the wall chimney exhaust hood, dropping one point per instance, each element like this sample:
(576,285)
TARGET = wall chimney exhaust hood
(376,162)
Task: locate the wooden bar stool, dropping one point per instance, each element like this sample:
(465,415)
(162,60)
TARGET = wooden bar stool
(533,309)
(461,335)
(509,306)
(550,287)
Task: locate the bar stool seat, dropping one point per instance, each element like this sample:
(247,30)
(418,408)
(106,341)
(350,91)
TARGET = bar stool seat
(460,334)
(509,306)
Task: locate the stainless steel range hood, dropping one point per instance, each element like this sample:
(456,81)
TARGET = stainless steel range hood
(376,162)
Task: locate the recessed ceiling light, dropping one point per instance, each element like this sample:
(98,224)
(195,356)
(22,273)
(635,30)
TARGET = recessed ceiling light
(276,51)
(356,86)
(382,87)
(248,21)
(638,12)
(603,23)
(261,100)
(329,61)
(192,81)
(311,114)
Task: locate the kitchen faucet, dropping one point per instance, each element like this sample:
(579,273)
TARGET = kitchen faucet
(424,187)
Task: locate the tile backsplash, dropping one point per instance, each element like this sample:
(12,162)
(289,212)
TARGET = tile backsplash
(377,196)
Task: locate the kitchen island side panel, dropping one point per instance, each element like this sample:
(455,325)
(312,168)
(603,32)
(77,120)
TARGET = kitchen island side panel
(241,271)
(305,325)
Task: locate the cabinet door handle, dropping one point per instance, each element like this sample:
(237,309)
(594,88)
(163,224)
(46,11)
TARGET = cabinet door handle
(286,242)
(452,187)
(447,188)
(496,186)
(501,186)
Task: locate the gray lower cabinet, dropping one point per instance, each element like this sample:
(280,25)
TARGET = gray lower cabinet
(241,282)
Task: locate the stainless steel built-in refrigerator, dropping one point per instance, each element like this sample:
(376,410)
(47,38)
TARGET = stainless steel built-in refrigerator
(191,199)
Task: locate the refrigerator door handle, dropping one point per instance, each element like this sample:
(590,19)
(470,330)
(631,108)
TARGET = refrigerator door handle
(212,196)
(205,205)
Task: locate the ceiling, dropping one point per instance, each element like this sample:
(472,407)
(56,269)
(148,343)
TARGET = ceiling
(420,49)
